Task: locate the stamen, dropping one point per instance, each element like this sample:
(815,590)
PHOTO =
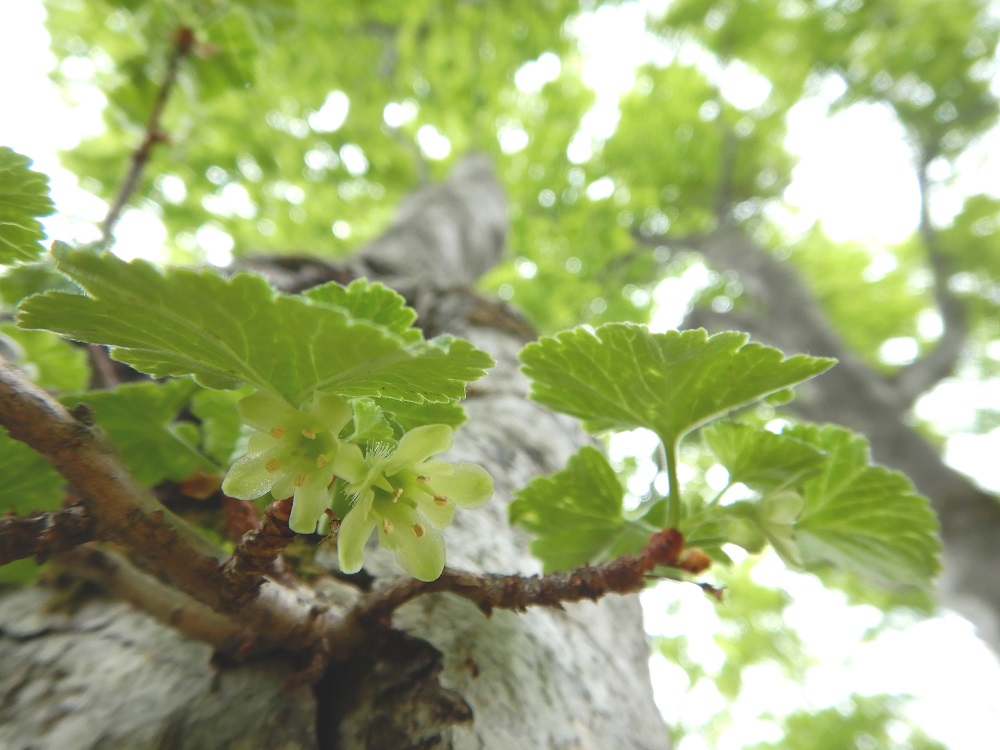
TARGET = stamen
(273,465)
(300,480)
(386,525)
(321,460)
(278,432)
(308,434)
(396,493)
(418,530)
(423,479)
(440,500)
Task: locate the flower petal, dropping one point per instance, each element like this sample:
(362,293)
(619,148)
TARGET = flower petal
(439,511)
(468,485)
(307,506)
(249,478)
(333,411)
(354,532)
(417,547)
(349,463)
(262,411)
(419,444)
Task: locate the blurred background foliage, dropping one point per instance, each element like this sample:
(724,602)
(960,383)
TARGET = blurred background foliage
(298,126)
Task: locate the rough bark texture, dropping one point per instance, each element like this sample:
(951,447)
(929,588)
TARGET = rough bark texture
(107,676)
(783,312)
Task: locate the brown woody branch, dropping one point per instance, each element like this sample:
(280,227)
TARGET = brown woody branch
(41,535)
(256,556)
(124,512)
(115,574)
(623,575)
(183,43)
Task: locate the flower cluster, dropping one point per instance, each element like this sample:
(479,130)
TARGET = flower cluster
(401,491)
(409,498)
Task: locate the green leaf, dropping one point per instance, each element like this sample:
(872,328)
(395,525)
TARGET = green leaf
(406,415)
(220,422)
(372,301)
(761,459)
(29,482)
(49,360)
(140,420)
(577,513)
(864,517)
(24,196)
(621,376)
(369,422)
(227,332)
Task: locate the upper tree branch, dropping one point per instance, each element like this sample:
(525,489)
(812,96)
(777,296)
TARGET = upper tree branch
(183,44)
(920,376)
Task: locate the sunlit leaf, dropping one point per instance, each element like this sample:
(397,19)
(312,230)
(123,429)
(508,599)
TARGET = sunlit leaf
(622,376)
(577,514)
(24,197)
(229,331)
(759,458)
(864,517)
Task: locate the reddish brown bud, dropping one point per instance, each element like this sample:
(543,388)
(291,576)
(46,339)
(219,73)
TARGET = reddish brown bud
(664,547)
(694,560)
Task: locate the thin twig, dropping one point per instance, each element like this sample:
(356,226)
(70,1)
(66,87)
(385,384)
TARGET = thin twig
(623,575)
(41,535)
(183,43)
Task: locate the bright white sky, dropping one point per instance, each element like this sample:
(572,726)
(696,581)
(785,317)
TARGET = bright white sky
(955,678)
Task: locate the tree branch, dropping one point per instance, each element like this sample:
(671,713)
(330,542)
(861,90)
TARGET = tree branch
(920,376)
(114,573)
(41,535)
(256,555)
(124,512)
(183,40)
(623,575)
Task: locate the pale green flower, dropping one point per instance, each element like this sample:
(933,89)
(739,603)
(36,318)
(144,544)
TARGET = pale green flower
(408,497)
(290,454)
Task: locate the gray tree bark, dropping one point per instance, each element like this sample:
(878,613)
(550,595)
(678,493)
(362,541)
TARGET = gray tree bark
(106,676)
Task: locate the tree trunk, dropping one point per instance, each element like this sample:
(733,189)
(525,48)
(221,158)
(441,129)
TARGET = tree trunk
(106,676)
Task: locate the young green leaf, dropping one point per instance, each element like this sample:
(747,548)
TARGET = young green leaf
(406,415)
(49,360)
(761,459)
(371,301)
(221,425)
(864,517)
(370,424)
(621,376)
(227,332)
(140,420)
(29,482)
(577,514)
(24,197)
